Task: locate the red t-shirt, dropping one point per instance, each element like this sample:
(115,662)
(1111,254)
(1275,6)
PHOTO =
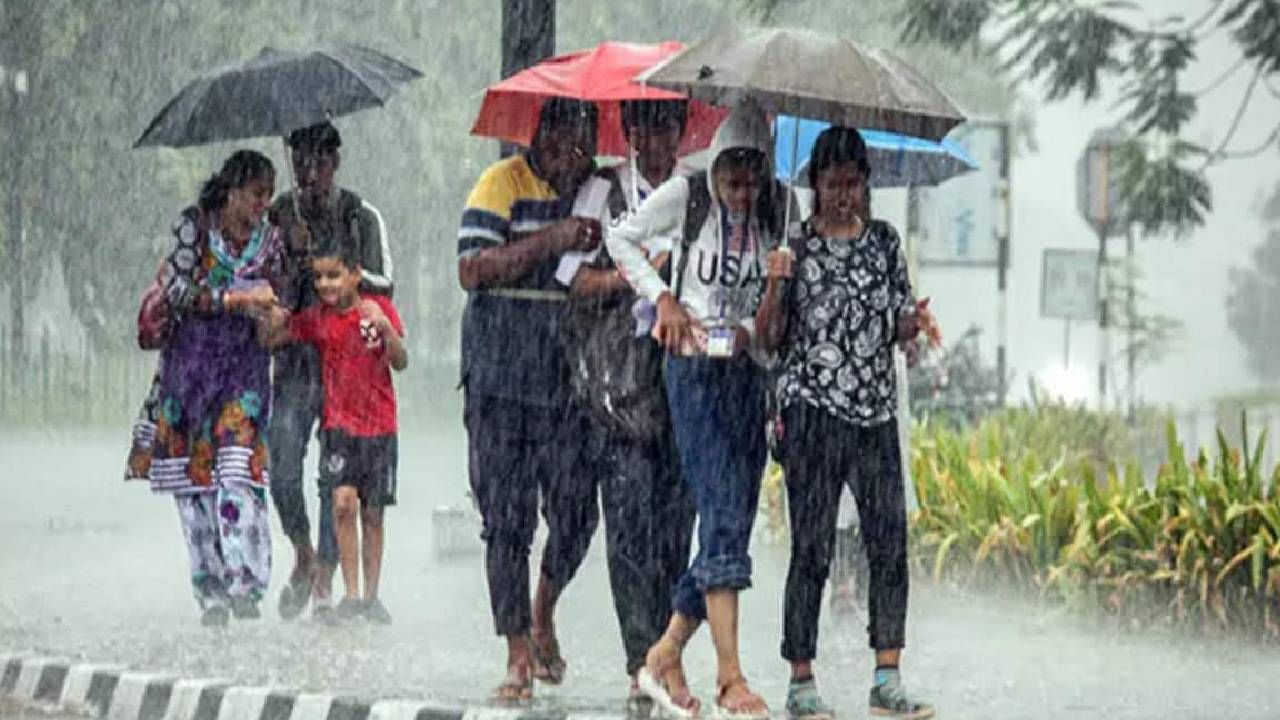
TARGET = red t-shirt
(359,398)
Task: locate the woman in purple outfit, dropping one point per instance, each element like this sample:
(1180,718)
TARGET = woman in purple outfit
(213,391)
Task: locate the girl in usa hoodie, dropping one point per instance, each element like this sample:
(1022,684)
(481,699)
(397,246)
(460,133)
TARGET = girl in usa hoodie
(715,386)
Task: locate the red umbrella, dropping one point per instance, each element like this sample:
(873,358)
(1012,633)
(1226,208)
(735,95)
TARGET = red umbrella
(602,75)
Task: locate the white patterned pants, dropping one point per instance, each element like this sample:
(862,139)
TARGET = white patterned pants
(228,535)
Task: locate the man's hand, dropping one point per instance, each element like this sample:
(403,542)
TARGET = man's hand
(575,234)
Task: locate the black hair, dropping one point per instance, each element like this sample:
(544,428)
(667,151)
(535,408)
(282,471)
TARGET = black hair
(654,114)
(838,145)
(740,158)
(242,168)
(321,137)
(567,113)
(343,253)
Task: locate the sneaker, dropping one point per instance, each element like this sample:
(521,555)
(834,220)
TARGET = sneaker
(890,700)
(804,702)
(216,616)
(245,609)
(376,613)
(349,609)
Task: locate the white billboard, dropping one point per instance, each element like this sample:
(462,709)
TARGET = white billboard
(958,219)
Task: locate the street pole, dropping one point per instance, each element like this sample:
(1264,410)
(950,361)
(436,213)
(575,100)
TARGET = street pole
(1104,336)
(1132,302)
(528,37)
(15,87)
(1066,344)
(1002,272)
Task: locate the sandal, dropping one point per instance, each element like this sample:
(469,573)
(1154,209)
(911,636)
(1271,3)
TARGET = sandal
(513,691)
(547,664)
(739,710)
(680,706)
(295,596)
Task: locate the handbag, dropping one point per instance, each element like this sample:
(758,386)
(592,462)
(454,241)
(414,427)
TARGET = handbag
(155,316)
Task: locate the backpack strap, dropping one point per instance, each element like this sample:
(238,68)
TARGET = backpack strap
(617,198)
(697,208)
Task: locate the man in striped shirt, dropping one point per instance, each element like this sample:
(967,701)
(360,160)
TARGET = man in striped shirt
(524,431)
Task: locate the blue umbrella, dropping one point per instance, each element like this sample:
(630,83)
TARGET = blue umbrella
(896,160)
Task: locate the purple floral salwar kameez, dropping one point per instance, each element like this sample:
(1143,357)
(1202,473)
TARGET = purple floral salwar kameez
(209,408)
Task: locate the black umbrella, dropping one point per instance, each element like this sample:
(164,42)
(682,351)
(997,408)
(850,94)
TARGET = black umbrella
(275,93)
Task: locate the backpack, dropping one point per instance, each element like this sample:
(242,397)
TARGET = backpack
(616,375)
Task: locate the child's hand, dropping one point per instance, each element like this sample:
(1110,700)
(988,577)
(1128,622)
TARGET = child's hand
(372,312)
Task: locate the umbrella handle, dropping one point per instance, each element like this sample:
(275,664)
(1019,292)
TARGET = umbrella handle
(791,183)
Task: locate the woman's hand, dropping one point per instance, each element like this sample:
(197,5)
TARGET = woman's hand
(675,329)
(259,298)
(778,264)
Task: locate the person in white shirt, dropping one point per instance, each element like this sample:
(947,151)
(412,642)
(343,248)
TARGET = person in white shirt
(617,376)
(726,220)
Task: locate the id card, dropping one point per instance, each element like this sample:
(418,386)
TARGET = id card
(720,341)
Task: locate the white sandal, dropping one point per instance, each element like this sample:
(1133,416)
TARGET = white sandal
(661,696)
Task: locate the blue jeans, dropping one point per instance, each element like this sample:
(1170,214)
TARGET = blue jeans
(718,414)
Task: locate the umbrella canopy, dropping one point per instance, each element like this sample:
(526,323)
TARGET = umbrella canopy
(603,75)
(275,93)
(896,160)
(808,74)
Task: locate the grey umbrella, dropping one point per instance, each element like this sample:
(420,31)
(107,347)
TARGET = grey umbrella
(276,92)
(810,75)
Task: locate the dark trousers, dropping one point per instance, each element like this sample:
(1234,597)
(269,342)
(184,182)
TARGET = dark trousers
(648,516)
(297,396)
(718,415)
(823,453)
(517,452)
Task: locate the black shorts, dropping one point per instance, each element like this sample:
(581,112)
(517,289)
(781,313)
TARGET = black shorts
(367,464)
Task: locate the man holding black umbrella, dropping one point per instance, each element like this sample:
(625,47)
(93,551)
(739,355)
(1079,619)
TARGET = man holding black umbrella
(317,216)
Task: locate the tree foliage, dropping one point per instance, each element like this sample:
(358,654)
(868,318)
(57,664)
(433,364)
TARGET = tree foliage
(1073,47)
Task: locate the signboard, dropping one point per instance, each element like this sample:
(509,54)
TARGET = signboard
(958,219)
(1069,285)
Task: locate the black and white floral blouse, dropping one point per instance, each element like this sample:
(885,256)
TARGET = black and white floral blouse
(842,318)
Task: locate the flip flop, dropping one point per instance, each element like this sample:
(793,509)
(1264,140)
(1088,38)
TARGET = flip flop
(661,696)
(548,666)
(723,713)
(513,692)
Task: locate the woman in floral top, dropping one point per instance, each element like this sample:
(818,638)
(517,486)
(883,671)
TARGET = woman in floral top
(835,325)
(211,401)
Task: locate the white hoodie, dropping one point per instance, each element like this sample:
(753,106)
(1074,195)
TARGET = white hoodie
(716,290)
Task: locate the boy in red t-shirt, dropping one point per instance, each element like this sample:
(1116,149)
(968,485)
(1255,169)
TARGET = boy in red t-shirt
(360,339)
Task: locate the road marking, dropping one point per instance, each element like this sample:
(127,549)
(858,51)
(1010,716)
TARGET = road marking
(28,682)
(311,706)
(75,691)
(184,701)
(138,692)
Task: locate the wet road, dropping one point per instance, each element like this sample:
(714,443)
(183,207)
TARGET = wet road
(92,569)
